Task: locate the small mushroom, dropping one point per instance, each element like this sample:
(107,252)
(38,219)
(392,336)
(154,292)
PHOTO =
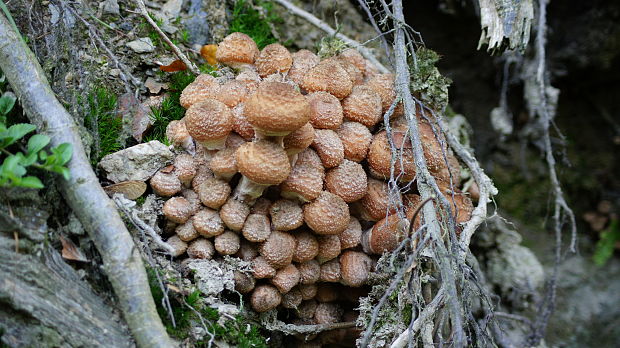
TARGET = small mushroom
(201,249)
(232,93)
(274,58)
(286,215)
(177,209)
(309,272)
(186,232)
(330,271)
(328,313)
(363,105)
(209,122)
(305,182)
(329,248)
(178,246)
(308,291)
(385,235)
(383,85)
(185,168)
(262,269)
(244,283)
(234,214)
(352,236)
(262,164)
(356,139)
(213,192)
(177,135)
(329,147)
(348,181)
(286,278)
(223,164)
(265,297)
(303,61)
(375,204)
(380,155)
(227,243)
(237,50)
(328,214)
(354,268)
(292,299)
(256,228)
(306,247)
(204,87)
(241,125)
(278,249)
(208,223)
(325,110)
(165,184)
(328,76)
(298,140)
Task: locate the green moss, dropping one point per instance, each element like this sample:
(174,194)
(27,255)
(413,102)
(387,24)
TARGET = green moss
(102,117)
(426,81)
(330,46)
(248,20)
(237,332)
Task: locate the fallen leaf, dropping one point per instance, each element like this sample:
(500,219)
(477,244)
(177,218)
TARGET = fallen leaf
(131,110)
(153,86)
(130,189)
(177,65)
(70,251)
(167,169)
(208,53)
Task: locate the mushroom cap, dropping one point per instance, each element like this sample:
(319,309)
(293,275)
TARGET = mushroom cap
(201,249)
(292,299)
(328,292)
(305,182)
(286,278)
(328,76)
(193,199)
(263,162)
(223,164)
(274,58)
(186,232)
(213,192)
(232,93)
(278,249)
(329,147)
(307,247)
(329,247)
(354,268)
(308,291)
(303,60)
(178,209)
(227,243)
(355,75)
(348,181)
(385,235)
(276,109)
(375,203)
(165,184)
(286,215)
(208,223)
(233,213)
(185,168)
(352,236)
(265,297)
(177,134)
(352,56)
(380,155)
(325,110)
(309,271)
(237,50)
(383,85)
(204,87)
(241,125)
(209,123)
(307,308)
(261,206)
(355,138)
(244,282)
(178,246)
(363,105)
(311,158)
(330,271)
(247,251)
(298,140)
(328,214)
(250,79)
(262,269)
(256,228)
(202,174)
(328,313)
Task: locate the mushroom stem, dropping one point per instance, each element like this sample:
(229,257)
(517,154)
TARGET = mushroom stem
(248,191)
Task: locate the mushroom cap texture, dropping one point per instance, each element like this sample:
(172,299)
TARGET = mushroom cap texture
(307,247)
(328,214)
(204,87)
(383,85)
(234,214)
(274,58)
(354,268)
(304,183)
(292,299)
(223,164)
(227,243)
(178,246)
(256,228)
(327,313)
(185,168)
(380,154)
(355,138)
(232,93)
(213,192)
(329,147)
(276,109)
(165,184)
(348,180)
(299,140)
(328,76)
(265,297)
(286,278)
(262,269)
(286,215)
(376,201)
(303,60)
(177,209)
(237,49)
(263,162)
(208,223)
(186,232)
(241,125)
(330,271)
(352,56)
(325,110)
(329,248)
(310,272)
(352,236)
(278,249)
(363,105)
(308,292)
(385,235)
(201,249)
(244,283)
(208,120)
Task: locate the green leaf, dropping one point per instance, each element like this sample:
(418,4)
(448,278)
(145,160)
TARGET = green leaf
(37,142)
(64,152)
(605,246)
(64,171)
(18,131)
(7,101)
(31,182)
(28,160)
(10,164)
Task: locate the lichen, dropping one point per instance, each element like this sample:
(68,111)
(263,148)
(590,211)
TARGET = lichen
(427,83)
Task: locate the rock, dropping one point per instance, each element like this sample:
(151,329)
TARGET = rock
(134,114)
(138,162)
(196,23)
(141,45)
(171,9)
(154,86)
(110,7)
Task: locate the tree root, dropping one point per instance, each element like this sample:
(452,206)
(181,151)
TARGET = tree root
(121,259)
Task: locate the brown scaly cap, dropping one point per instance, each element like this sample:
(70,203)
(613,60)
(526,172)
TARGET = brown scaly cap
(328,313)
(208,223)
(241,125)
(202,174)
(265,297)
(330,271)
(352,236)
(380,154)
(286,278)
(250,79)
(232,93)
(177,135)
(355,75)
(298,140)
(261,206)
(376,201)
(165,184)
(305,183)
(256,228)
(385,235)
(223,164)
(185,168)
(325,110)
(311,158)
(328,214)
(213,192)
(237,50)
(263,162)
(308,291)
(307,247)
(329,248)
(352,56)
(276,109)
(383,84)
(261,269)
(186,232)
(310,272)
(286,215)
(348,181)
(329,147)
(274,58)
(201,249)
(204,87)
(227,243)
(209,123)
(292,299)
(328,76)
(178,209)
(247,251)
(178,246)
(303,60)
(234,213)
(355,138)
(363,105)
(278,249)
(354,268)
(244,283)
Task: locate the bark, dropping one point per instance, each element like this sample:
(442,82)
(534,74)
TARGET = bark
(121,260)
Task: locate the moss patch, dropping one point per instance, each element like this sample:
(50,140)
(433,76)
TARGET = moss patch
(102,119)
(248,20)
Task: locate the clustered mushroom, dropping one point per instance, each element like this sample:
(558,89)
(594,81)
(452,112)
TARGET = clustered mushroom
(286,166)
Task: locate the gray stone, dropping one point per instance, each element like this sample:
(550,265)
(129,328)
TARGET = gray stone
(138,162)
(141,45)
(110,7)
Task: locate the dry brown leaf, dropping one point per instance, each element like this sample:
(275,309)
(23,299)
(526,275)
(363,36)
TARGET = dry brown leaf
(208,53)
(153,86)
(167,169)
(177,65)
(70,251)
(130,189)
(131,110)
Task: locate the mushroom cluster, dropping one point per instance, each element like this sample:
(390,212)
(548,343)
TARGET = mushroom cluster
(289,172)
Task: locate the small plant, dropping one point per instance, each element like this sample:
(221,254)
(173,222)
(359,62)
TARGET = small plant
(14,166)
(248,20)
(102,116)
(605,246)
